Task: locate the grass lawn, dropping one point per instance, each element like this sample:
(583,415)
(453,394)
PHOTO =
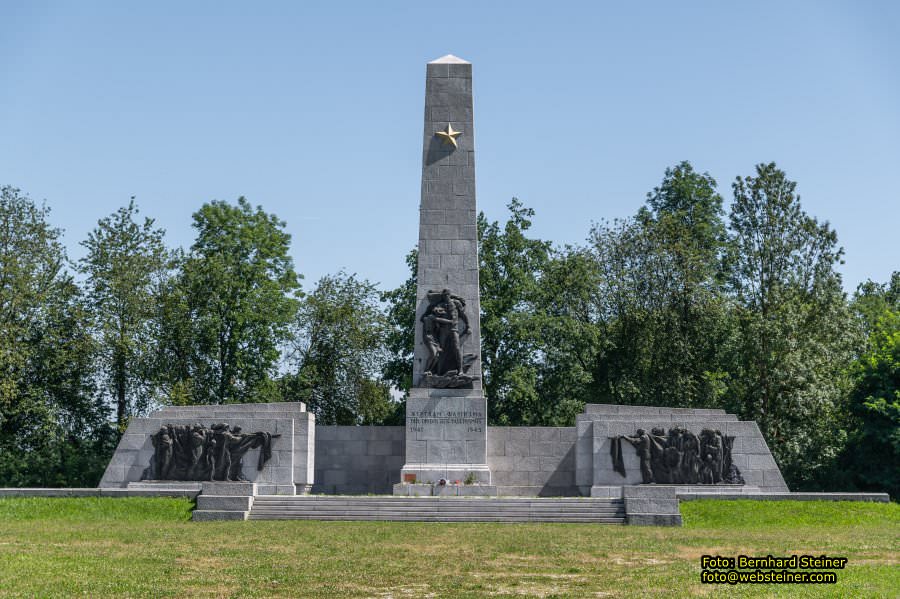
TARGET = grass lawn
(96,547)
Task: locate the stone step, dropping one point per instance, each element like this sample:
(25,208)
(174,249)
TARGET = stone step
(435,500)
(273,508)
(440,509)
(475,509)
(448,506)
(438,518)
(461,510)
(210,515)
(453,506)
(238,503)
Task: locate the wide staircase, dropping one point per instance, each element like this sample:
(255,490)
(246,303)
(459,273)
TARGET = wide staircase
(439,509)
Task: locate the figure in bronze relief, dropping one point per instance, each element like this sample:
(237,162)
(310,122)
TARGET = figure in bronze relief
(642,445)
(199,453)
(445,325)
(680,456)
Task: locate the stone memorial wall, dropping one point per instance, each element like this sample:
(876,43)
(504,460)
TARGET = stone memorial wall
(288,469)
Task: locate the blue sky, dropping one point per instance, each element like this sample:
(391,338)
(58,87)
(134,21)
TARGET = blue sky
(315,112)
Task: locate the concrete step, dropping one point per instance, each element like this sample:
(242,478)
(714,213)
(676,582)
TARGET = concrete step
(426,510)
(210,515)
(389,500)
(288,499)
(436,518)
(439,509)
(359,510)
(443,508)
(446,509)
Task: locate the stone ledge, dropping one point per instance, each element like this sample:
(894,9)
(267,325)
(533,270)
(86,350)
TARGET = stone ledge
(654,519)
(97,492)
(213,515)
(779,496)
(606,491)
(240,503)
(228,489)
(414,490)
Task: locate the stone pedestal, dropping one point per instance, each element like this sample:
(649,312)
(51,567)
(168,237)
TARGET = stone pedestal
(446,436)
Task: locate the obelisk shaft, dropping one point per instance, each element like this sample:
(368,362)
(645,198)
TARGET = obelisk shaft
(446,415)
(448,230)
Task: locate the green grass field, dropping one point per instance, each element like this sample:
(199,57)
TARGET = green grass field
(148,547)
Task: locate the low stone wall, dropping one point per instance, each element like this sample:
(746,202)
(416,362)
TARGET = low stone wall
(353,460)
(532,460)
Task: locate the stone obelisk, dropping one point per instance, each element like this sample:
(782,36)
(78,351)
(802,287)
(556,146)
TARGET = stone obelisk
(446,418)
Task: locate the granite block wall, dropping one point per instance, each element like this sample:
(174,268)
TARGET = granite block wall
(532,460)
(599,422)
(355,460)
(288,471)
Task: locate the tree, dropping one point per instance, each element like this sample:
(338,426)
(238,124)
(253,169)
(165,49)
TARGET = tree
(509,274)
(50,418)
(339,353)
(228,311)
(871,459)
(661,304)
(125,264)
(796,334)
(400,328)
(568,336)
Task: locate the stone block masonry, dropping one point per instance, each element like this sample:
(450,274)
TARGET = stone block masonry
(448,233)
(446,412)
(358,460)
(601,422)
(525,461)
(288,471)
(532,461)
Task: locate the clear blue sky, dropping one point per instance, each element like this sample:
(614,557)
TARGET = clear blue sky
(316,113)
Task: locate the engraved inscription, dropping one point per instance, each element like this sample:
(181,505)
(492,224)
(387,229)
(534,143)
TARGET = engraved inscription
(473,420)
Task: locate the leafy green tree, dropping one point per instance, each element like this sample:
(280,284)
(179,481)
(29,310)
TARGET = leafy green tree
(569,336)
(796,334)
(227,313)
(50,417)
(400,329)
(873,300)
(125,264)
(871,459)
(510,267)
(661,304)
(339,353)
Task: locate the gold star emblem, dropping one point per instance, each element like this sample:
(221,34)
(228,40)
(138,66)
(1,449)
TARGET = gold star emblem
(449,136)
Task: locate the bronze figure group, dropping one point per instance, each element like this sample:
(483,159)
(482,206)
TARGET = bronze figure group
(444,327)
(197,453)
(680,456)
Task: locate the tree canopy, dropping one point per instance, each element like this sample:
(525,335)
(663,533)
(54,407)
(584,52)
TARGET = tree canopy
(688,302)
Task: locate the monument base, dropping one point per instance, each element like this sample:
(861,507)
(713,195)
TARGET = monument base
(448,490)
(457,474)
(446,437)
